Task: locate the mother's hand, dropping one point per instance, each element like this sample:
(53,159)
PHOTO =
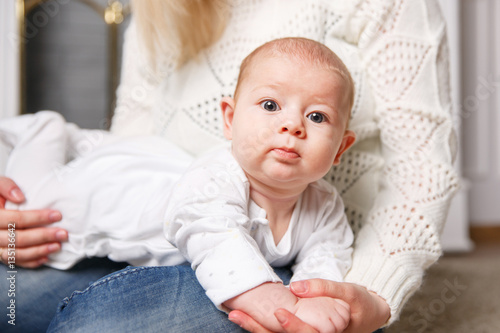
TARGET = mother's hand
(368,310)
(33,241)
(289,322)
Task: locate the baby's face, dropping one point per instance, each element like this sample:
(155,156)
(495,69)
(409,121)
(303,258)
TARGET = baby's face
(288,124)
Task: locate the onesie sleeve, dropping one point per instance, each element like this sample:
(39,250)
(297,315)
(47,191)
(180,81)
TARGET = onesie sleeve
(327,252)
(206,220)
(403,53)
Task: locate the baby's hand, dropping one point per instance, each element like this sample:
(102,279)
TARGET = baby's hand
(325,314)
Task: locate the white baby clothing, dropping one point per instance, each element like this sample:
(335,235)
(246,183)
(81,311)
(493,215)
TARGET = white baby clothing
(226,236)
(111,193)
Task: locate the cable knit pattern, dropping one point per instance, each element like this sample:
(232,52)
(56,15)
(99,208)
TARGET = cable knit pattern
(397,180)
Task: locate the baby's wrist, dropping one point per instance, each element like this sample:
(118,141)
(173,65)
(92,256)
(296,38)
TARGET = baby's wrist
(262,302)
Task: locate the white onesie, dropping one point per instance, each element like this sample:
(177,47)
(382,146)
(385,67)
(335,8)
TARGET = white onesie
(111,191)
(226,236)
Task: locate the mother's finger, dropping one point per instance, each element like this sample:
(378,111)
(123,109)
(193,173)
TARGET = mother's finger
(28,218)
(26,264)
(34,237)
(10,191)
(291,323)
(246,322)
(31,257)
(320,287)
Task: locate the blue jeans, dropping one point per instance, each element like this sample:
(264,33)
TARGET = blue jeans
(142,299)
(37,292)
(145,299)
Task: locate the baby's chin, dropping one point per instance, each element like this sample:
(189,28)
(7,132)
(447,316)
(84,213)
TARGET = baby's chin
(283,179)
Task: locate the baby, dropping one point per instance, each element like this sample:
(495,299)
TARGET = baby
(263,202)
(236,211)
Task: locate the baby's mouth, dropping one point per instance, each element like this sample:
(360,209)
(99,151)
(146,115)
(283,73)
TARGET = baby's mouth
(286,153)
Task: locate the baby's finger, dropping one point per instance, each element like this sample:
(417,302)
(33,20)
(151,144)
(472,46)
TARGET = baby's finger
(343,304)
(340,319)
(339,323)
(291,323)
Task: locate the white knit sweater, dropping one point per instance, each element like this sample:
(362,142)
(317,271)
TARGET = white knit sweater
(397,180)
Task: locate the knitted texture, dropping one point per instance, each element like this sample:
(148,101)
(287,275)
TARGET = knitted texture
(396,181)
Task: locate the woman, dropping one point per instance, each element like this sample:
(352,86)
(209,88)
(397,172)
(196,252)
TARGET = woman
(396,181)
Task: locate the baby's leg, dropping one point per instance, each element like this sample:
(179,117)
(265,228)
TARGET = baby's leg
(38,144)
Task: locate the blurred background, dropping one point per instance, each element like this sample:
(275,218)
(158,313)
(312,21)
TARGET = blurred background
(65,55)
(70,52)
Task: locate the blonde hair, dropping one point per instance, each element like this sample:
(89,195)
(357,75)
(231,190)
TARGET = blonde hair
(303,49)
(179,28)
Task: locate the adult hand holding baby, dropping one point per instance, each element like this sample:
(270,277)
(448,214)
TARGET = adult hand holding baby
(33,240)
(368,310)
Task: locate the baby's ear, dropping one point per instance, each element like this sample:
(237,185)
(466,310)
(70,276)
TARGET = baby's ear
(227,106)
(347,141)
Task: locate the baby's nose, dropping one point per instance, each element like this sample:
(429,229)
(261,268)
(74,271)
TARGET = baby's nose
(293,127)
(297,132)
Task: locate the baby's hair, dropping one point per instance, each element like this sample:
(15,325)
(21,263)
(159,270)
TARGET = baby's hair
(303,49)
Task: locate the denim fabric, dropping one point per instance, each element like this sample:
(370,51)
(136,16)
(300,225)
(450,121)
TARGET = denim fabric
(144,299)
(134,299)
(39,291)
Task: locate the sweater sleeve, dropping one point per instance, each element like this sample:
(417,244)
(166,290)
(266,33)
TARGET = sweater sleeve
(207,221)
(403,52)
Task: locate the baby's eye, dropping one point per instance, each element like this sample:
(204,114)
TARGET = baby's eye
(316,117)
(270,106)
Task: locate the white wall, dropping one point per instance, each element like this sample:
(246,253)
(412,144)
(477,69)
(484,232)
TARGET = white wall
(9,65)
(455,235)
(481,108)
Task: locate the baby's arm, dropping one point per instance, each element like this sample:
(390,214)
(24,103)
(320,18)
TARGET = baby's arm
(262,301)
(207,219)
(325,314)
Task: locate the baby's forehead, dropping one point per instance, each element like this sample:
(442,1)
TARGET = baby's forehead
(298,51)
(293,60)
(330,69)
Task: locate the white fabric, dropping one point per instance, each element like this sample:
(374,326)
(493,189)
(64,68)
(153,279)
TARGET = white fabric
(226,236)
(398,179)
(112,195)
